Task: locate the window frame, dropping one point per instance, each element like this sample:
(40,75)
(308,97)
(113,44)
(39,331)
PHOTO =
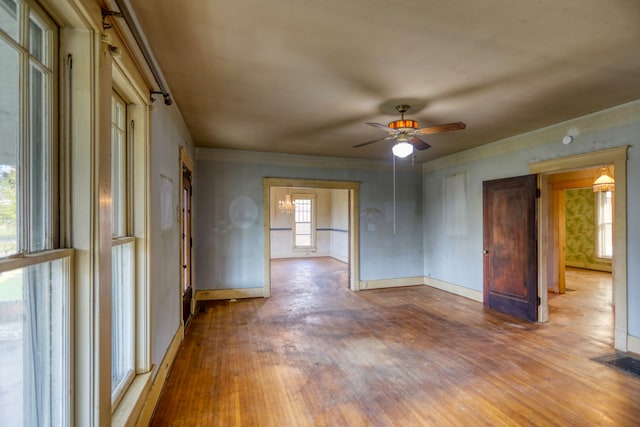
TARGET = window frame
(126,157)
(604,227)
(125,85)
(37,194)
(42,258)
(312,223)
(122,235)
(27,11)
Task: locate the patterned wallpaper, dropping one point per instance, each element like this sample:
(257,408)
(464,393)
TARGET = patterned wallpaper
(580,214)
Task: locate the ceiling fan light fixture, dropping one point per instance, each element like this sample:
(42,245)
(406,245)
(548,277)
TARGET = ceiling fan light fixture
(402,149)
(403,124)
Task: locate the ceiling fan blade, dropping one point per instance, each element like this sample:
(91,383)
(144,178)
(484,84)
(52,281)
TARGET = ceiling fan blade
(383,127)
(386,138)
(440,128)
(418,144)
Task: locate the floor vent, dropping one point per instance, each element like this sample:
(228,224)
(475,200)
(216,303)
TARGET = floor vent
(623,362)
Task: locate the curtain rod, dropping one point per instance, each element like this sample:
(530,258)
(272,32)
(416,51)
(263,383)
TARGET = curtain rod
(125,13)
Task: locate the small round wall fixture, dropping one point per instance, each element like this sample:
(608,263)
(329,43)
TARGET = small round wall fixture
(568,139)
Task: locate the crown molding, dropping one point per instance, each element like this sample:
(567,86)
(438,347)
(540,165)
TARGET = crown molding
(297,160)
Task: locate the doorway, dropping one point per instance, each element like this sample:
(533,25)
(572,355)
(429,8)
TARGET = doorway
(186,239)
(582,221)
(307,244)
(549,259)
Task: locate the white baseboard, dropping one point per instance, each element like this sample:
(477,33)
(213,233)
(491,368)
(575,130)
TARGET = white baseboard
(158,382)
(221,294)
(391,283)
(589,266)
(341,258)
(454,289)
(633,344)
(301,254)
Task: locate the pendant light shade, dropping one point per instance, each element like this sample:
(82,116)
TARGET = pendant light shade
(604,181)
(402,149)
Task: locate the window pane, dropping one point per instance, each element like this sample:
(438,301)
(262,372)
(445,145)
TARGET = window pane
(302,240)
(9,18)
(34,345)
(303,228)
(118,168)
(122,300)
(39,183)
(604,238)
(37,40)
(9,119)
(607,212)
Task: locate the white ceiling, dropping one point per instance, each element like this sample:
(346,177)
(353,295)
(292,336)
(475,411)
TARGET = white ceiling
(302,76)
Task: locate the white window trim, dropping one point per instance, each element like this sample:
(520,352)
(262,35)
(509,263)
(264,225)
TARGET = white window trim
(598,234)
(30,9)
(128,404)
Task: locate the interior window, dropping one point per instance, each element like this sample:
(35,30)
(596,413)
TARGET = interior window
(604,227)
(303,222)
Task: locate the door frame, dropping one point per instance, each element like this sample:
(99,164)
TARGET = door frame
(618,157)
(186,163)
(354,228)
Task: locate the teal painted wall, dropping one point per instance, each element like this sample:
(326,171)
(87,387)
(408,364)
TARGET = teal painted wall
(458,259)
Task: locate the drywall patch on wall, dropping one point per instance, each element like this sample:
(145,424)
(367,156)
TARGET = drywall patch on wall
(166,202)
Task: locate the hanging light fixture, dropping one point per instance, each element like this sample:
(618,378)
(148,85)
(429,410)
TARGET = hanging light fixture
(287,206)
(604,181)
(402,149)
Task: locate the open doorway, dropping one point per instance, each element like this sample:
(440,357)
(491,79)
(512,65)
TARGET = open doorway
(550,262)
(582,222)
(581,294)
(186,240)
(311,218)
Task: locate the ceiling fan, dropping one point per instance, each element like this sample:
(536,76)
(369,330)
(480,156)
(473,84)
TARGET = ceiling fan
(405,131)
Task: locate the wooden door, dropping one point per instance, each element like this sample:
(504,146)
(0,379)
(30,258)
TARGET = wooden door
(510,246)
(186,243)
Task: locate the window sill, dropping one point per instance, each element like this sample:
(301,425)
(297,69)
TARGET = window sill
(129,408)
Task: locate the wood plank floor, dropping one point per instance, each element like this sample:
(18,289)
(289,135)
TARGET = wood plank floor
(317,354)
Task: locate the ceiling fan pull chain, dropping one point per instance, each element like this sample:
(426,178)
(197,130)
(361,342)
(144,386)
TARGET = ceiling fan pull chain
(394,195)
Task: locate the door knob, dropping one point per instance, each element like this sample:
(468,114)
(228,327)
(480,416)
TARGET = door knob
(486,251)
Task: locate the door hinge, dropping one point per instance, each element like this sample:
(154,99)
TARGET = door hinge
(539,302)
(537,193)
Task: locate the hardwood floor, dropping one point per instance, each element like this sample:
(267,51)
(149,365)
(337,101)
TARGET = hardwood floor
(317,354)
